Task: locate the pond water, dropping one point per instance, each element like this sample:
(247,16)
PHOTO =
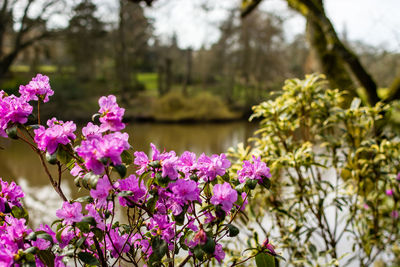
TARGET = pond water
(18,163)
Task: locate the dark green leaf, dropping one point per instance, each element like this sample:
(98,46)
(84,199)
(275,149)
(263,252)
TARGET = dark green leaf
(46,257)
(51,158)
(12,132)
(125,194)
(87,199)
(233,230)
(88,258)
(98,233)
(199,253)
(45,236)
(83,226)
(265,260)
(126,157)
(20,212)
(209,246)
(121,169)
(90,220)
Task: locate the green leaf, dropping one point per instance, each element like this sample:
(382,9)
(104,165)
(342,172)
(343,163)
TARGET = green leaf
(45,236)
(121,169)
(126,157)
(32,250)
(62,155)
(19,213)
(160,248)
(46,257)
(90,220)
(83,226)
(98,233)
(179,219)
(87,199)
(88,258)
(58,234)
(151,203)
(31,236)
(80,242)
(265,260)
(12,132)
(209,246)
(125,194)
(266,183)
(51,158)
(251,183)
(233,230)
(199,253)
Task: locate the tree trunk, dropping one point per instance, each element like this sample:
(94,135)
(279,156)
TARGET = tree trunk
(329,62)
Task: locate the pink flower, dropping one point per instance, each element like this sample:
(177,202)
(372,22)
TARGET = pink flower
(57,133)
(142,161)
(269,246)
(131,184)
(389,192)
(219,253)
(109,146)
(394,214)
(117,243)
(70,212)
(96,216)
(210,167)
(187,162)
(12,110)
(169,168)
(91,131)
(224,195)
(256,171)
(39,86)
(110,114)
(101,192)
(185,191)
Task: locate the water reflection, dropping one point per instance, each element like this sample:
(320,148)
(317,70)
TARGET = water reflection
(19,163)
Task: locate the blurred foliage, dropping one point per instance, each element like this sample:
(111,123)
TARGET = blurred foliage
(204,106)
(331,168)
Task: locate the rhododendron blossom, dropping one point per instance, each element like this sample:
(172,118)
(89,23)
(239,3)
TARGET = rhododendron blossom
(70,213)
(57,133)
(257,170)
(38,87)
(224,195)
(172,205)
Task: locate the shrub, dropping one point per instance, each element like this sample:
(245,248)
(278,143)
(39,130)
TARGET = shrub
(335,175)
(178,209)
(204,107)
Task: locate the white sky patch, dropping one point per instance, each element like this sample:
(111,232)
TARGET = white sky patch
(374,22)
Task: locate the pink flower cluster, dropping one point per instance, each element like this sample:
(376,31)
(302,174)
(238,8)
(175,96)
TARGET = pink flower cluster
(57,133)
(257,170)
(10,195)
(104,142)
(173,202)
(14,231)
(14,110)
(39,87)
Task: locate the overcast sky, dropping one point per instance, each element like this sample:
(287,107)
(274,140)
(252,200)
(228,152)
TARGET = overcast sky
(375,22)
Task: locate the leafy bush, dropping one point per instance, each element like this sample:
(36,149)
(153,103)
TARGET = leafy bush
(335,175)
(204,106)
(178,209)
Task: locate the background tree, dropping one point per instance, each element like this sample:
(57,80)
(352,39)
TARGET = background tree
(85,35)
(336,59)
(25,29)
(134,31)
